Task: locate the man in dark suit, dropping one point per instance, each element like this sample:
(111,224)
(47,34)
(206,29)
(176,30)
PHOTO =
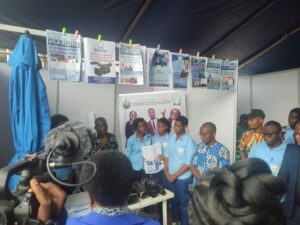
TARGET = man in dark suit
(290,174)
(152,123)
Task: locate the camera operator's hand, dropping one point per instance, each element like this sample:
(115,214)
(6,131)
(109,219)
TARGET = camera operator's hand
(50,197)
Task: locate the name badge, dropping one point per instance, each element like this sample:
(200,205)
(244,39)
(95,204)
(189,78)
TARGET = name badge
(165,144)
(180,151)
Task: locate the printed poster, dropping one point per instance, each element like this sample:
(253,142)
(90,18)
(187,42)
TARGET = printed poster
(180,70)
(213,73)
(64,56)
(168,104)
(158,67)
(229,71)
(131,64)
(198,67)
(99,61)
(151,162)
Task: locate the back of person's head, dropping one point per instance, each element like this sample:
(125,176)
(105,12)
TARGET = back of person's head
(244,193)
(137,121)
(113,181)
(183,120)
(57,120)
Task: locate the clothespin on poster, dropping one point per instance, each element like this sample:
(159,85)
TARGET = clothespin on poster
(213,56)
(130,42)
(64,31)
(158,47)
(99,38)
(198,54)
(180,51)
(227,60)
(76,34)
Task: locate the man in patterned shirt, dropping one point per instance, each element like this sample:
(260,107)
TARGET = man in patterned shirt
(254,134)
(209,154)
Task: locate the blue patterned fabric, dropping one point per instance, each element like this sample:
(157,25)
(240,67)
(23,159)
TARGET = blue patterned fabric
(206,158)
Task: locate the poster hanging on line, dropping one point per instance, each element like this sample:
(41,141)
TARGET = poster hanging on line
(99,61)
(180,70)
(198,67)
(64,56)
(229,71)
(151,106)
(212,73)
(131,64)
(158,67)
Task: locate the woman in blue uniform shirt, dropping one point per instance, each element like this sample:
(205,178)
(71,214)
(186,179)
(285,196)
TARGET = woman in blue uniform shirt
(164,128)
(135,142)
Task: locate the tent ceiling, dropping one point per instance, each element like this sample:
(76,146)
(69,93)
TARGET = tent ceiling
(241,28)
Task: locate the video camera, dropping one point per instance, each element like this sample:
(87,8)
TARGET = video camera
(66,146)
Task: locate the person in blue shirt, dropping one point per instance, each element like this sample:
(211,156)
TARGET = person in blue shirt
(294,117)
(272,149)
(209,154)
(164,129)
(177,160)
(135,142)
(108,193)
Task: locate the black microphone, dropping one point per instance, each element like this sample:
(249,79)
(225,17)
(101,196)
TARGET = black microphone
(60,165)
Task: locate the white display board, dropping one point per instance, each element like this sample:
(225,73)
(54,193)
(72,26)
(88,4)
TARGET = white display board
(214,106)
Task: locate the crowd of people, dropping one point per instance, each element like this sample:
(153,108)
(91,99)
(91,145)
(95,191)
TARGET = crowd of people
(262,187)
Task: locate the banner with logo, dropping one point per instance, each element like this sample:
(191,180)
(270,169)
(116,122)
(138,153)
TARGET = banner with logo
(168,104)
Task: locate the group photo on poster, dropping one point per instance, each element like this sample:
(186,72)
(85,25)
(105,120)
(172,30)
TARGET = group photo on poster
(64,56)
(99,61)
(158,67)
(131,64)
(151,107)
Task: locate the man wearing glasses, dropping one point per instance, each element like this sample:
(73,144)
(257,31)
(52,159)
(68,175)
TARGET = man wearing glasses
(272,149)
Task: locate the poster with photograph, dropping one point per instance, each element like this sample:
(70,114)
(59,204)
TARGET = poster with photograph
(151,106)
(229,71)
(213,73)
(99,61)
(151,153)
(198,67)
(64,56)
(180,70)
(131,64)
(158,67)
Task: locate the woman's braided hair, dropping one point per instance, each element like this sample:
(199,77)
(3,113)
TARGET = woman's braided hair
(244,193)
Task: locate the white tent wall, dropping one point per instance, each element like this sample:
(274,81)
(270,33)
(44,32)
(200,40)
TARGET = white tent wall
(214,106)
(275,93)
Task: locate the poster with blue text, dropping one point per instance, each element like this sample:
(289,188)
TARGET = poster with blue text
(213,73)
(180,70)
(64,56)
(99,61)
(158,67)
(131,64)
(198,67)
(229,71)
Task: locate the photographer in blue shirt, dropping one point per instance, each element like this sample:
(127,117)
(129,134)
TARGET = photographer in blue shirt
(108,193)
(177,158)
